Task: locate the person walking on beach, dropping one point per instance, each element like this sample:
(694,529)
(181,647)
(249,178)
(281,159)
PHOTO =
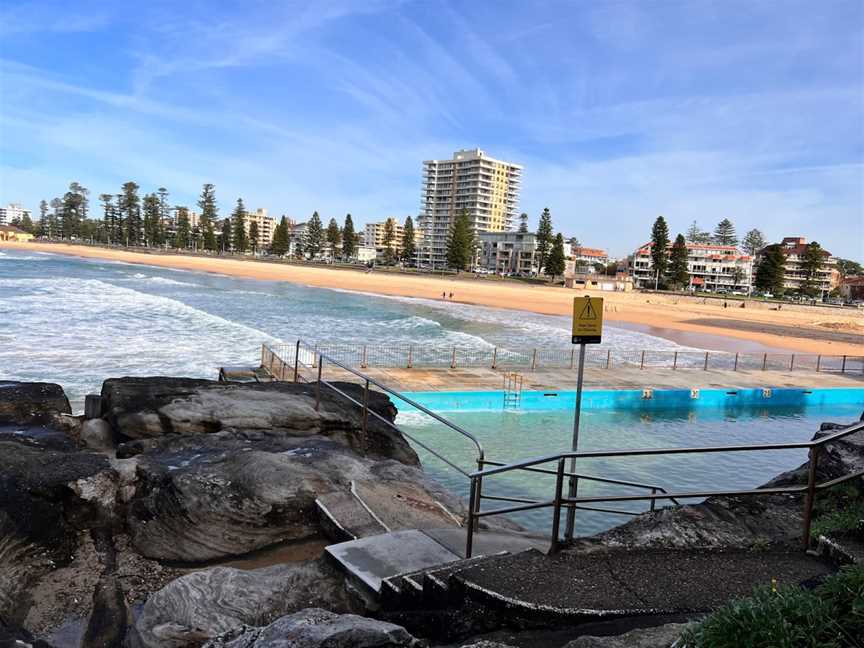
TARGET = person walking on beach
(451,295)
(443,295)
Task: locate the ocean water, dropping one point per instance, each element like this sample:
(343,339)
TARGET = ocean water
(78,321)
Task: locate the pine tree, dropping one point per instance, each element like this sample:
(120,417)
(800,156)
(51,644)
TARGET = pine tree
(555,264)
(151,219)
(108,217)
(409,245)
(279,244)
(523,223)
(460,243)
(349,239)
(771,270)
(225,235)
(812,262)
(241,239)
(753,242)
(314,236)
(253,236)
(209,213)
(27,223)
(181,241)
(164,215)
(74,210)
(43,218)
(544,239)
(55,217)
(696,234)
(131,205)
(333,236)
(659,252)
(389,240)
(678,272)
(724,233)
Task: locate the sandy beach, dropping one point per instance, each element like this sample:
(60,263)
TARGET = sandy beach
(814,330)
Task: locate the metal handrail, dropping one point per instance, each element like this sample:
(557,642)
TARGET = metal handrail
(559,501)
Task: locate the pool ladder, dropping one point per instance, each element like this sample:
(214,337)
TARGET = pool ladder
(512,389)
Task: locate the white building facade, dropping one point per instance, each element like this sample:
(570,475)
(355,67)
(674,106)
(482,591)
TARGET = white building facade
(13,212)
(486,188)
(712,268)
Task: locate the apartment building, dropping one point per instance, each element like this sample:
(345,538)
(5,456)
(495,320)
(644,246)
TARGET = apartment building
(13,212)
(373,236)
(712,268)
(266,225)
(583,257)
(486,188)
(508,252)
(795,248)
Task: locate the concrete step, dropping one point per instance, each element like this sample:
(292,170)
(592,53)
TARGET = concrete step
(345,518)
(370,560)
(488,542)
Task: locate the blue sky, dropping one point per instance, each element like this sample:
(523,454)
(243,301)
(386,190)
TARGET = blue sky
(619,111)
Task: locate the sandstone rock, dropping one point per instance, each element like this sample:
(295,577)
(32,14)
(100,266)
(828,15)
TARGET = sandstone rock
(316,628)
(141,408)
(97,434)
(24,403)
(660,637)
(208,603)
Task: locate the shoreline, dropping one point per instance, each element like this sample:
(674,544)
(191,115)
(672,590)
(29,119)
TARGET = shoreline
(658,315)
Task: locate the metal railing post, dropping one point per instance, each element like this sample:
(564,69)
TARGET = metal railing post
(572,357)
(534,360)
(479,495)
(675,361)
(654,499)
(642,361)
(764,361)
(453,359)
(608,357)
(469,534)
(318,384)
(296,362)
(843,366)
(365,412)
(810,495)
(363,363)
(705,368)
(792,362)
(735,368)
(495,357)
(818,363)
(556,507)
(410,355)
(263,350)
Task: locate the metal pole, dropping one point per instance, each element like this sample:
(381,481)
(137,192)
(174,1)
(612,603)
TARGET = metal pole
(479,494)
(318,384)
(642,361)
(453,359)
(469,537)
(572,357)
(735,368)
(818,362)
(363,359)
(674,361)
(764,361)
(556,508)
(574,481)
(534,360)
(792,362)
(810,496)
(653,500)
(705,368)
(365,411)
(843,366)
(410,354)
(608,357)
(494,357)
(296,362)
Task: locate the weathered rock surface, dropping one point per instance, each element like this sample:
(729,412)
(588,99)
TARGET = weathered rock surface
(109,619)
(140,408)
(97,434)
(316,628)
(31,403)
(660,637)
(739,521)
(209,603)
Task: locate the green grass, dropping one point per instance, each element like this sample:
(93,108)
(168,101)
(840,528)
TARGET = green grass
(832,616)
(838,509)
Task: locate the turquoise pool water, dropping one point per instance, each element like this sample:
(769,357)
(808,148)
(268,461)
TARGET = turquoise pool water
(620,420)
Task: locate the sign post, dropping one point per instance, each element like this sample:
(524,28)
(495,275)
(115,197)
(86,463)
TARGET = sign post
(587,329)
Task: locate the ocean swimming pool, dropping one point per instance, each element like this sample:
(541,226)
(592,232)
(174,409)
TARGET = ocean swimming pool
(621,419)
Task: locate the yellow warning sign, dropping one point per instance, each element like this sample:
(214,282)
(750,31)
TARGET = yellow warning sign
(587,320)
